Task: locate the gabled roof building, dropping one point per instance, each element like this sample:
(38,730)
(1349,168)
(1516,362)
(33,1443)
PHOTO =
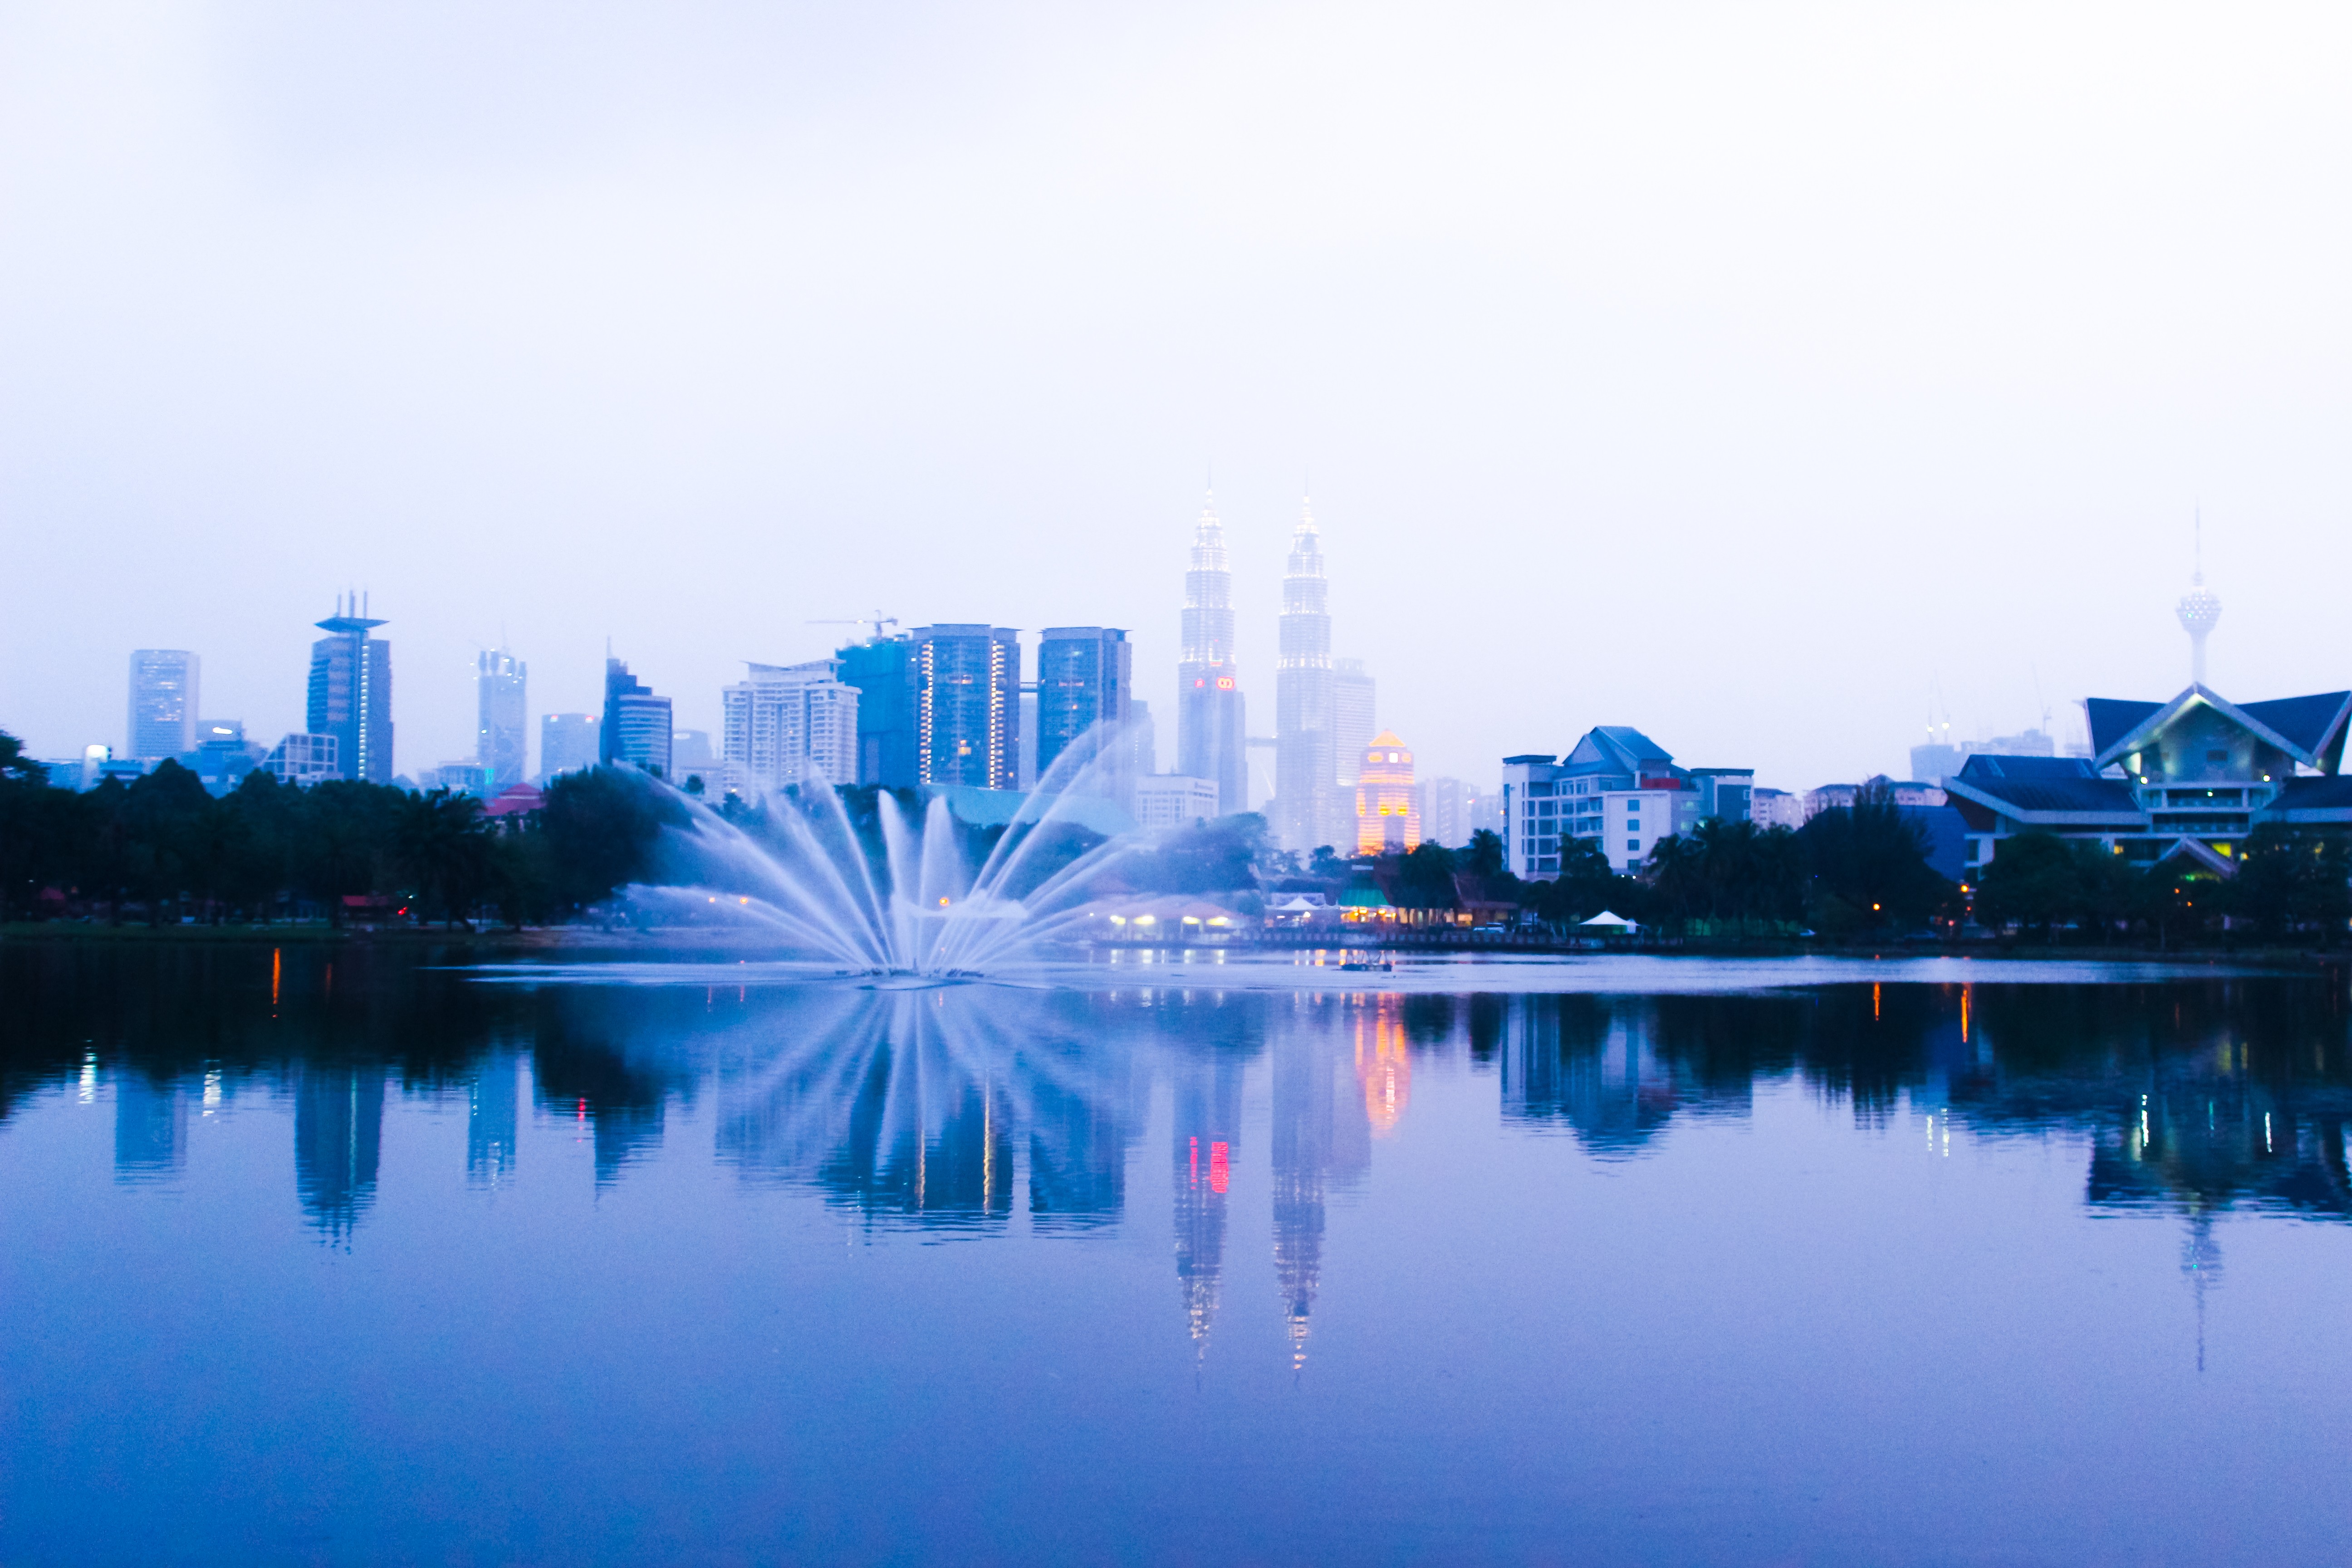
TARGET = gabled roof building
(2194,775)
(1619,791)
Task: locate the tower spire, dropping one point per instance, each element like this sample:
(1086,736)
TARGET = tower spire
(2199,608)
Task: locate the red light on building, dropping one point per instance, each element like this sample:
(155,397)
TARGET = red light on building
(1224,683)
(1218,1171)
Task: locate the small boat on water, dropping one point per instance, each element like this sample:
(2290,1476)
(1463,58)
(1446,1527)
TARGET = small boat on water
(1382,965)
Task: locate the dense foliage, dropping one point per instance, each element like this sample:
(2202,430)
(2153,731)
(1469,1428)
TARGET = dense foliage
(162,847)
(2289,881)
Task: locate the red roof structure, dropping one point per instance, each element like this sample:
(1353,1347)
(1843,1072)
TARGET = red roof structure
(514,799)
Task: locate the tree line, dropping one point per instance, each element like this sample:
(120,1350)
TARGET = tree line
(2289,881)
(1850,871)
(162,847)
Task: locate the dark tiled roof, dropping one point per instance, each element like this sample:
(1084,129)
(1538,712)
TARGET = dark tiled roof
(2304,721)
(2049,786)
(2113,717)
(2316,794)
(1984,767)
(1634,744)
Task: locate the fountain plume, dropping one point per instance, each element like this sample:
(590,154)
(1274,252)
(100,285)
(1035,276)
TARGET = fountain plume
(916,908)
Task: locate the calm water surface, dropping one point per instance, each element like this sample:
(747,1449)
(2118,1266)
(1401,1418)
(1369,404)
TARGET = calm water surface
(385,1262)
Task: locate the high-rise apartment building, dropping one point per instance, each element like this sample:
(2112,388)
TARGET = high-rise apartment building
(1388,807)
(636,728)
(1084,677)
(787,722)
(1212,734)
(502,727)
(568,742)
(1452,810)
(163,703)
(351,693)
(1354,716)
(882,669)
(967,704)
(1305,766)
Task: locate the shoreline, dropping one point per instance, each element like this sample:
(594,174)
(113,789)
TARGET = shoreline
(580,937)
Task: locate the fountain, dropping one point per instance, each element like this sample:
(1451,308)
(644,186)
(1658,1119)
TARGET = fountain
(908,908)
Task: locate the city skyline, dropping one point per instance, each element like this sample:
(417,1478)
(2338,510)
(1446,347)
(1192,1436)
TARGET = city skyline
(163,684)
(1652,342)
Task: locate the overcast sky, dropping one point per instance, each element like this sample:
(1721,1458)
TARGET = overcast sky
(1748,374)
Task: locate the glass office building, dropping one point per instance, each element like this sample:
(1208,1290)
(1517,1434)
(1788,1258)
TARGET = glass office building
(351,693)
(163,703)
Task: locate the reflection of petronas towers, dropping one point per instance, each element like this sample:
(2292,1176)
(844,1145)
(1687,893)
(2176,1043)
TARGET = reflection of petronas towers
(1208,1127)
(1319,1139)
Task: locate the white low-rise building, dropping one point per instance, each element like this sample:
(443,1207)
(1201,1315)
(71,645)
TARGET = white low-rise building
(1172,800)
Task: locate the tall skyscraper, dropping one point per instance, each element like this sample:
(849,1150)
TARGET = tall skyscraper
(163,703)
(1210,732)
(1084,677)
(882,669)
(1306,772)
(967,704)
(502,729)
(569,741)
(636,729)
(351,693)
(1355,717)
(787,722)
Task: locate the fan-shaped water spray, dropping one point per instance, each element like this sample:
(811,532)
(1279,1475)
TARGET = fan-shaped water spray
(901,899)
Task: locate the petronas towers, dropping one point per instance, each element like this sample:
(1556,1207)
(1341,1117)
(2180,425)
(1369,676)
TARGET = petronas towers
(1212,735)
(1310,807)
(1305,767)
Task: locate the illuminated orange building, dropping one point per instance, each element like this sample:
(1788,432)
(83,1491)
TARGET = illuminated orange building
(1388,809)
(1383,1061)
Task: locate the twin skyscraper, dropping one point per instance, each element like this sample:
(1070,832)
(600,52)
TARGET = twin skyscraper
(1323,708)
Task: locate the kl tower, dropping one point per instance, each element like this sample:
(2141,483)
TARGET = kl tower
(2199,609)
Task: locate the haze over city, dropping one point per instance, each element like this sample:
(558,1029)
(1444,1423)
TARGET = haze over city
(1748,377)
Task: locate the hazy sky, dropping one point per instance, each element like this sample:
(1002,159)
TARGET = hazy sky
(1746,374)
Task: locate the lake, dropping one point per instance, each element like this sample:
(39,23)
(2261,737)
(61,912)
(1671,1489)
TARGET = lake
(342,1255)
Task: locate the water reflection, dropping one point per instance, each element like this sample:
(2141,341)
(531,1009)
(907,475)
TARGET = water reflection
(962,1111)
(492,1102)
(1319,1145)
(338,1136)
(150,1128)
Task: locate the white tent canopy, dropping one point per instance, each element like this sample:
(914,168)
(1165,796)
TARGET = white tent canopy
(1607,920)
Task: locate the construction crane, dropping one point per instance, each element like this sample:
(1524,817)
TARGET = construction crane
(877,620)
